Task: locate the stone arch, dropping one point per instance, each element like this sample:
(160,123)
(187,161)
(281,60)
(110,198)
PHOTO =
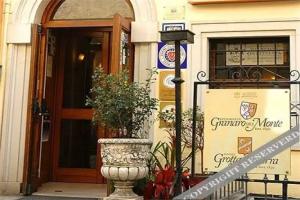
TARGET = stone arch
(18,67)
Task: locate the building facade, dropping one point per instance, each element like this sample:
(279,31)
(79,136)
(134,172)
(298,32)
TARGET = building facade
(42,97)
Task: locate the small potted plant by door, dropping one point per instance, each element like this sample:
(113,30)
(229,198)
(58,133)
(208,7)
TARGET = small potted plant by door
(124,108)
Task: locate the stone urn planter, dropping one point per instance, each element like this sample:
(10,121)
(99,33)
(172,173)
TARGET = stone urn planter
(124,162)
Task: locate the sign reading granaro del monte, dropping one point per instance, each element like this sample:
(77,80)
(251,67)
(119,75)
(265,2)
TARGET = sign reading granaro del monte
(238,121)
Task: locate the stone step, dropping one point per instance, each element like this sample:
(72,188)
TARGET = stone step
(53,198)
(234,196)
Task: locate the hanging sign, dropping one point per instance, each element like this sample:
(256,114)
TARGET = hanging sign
(238,121)
(166,52)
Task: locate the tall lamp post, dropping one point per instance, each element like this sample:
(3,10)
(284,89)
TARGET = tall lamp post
(177,38)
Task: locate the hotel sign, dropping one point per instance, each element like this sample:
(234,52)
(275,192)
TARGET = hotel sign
(238,121)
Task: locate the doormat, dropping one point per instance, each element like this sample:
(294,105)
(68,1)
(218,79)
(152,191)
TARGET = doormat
(54,198)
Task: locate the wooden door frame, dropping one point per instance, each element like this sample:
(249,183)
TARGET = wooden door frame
(32,137)
(37,73)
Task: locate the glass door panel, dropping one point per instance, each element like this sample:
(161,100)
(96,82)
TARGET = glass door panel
(77,152)
(84,56)
(78,144)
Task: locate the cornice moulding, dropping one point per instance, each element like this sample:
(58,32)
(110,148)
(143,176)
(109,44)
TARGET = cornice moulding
(206,2)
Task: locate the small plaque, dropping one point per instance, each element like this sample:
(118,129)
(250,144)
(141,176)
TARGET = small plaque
(166,106)
(166,56)
(166,86)
(173,26)
(233,54)
(174,12)
(267,54)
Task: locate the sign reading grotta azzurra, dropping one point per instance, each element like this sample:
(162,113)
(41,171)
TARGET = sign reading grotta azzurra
(238,121)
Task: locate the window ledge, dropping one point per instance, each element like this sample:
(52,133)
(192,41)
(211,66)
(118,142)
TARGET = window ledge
(206,2)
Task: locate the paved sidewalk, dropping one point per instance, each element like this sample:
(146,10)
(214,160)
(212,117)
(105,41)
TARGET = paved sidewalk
(54,198)
(41,198)
(2,197)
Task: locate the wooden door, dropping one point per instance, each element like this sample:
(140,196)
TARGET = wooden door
(76,151)
(31,176)
(48,154)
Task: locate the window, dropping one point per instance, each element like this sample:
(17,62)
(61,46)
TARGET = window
(249,59)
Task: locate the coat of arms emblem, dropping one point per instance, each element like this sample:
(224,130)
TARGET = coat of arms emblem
(244,145)
(248,109)
(166,56)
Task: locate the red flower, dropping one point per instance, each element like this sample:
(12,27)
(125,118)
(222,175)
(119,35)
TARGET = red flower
(148,193)
(186,179)
(163,182)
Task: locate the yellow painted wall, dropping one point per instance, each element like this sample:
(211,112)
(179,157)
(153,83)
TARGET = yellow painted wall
(235,12)
(245,11)
(286,9)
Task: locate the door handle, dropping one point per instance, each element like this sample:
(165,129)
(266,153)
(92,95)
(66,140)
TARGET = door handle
(40,109)
(44,108)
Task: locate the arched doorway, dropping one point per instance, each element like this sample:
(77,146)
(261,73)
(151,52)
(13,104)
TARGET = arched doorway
(18,125)
(72,41)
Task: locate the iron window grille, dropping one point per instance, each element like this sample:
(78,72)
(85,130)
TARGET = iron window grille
(240,59)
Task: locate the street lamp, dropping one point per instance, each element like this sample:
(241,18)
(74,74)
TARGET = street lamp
(177,38)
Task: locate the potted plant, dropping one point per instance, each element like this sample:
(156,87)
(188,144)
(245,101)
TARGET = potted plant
(162,174)
(124,108)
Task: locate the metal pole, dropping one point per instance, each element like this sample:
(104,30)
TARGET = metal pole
(194,132)
(285,188)
(178,81)
(266,186)
(246,185)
